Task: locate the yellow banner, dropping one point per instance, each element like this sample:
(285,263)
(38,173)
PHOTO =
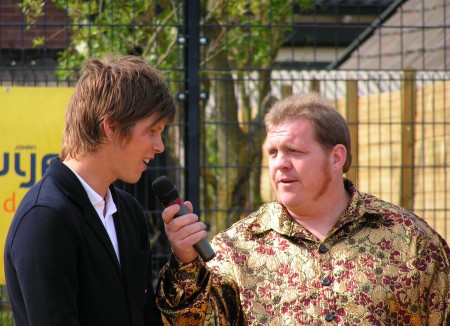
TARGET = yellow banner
(31,126)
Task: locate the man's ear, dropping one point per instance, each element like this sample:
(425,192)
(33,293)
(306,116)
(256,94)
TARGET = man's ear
(338,156)
(109,128)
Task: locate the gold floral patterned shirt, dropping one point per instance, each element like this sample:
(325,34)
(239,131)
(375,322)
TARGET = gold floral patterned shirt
(379,265)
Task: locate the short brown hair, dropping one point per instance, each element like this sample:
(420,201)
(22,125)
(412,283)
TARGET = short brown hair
(330,127)
(120,90)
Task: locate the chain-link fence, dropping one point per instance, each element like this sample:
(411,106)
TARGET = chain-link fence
(384,63)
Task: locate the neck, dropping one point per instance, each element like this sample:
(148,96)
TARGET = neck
(320,221)
(91,171)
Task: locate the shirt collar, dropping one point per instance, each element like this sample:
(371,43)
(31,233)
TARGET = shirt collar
(96,200)
(274,216)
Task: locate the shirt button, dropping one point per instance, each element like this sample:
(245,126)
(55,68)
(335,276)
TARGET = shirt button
(329,316)
(323,249)
(326,281)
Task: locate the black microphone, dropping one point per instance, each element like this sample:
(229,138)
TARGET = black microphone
(166,192)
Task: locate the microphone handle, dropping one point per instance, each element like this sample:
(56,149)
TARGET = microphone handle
(204,250)
(202,247)
(183,210)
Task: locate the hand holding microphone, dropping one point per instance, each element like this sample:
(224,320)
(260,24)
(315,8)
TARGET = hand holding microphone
(168,195)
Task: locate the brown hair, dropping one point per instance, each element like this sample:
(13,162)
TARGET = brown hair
(120,90)
(330,127)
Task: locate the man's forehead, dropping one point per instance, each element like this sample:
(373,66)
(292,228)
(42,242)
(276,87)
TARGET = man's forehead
(290,125)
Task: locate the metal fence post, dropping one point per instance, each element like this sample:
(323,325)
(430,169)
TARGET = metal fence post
(191,106)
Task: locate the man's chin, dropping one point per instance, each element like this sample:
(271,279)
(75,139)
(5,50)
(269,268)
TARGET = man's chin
(287,200)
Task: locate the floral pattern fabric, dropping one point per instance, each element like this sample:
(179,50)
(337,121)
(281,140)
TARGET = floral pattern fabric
(379,265)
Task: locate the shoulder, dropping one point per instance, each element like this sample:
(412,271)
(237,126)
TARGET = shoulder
(43,211)
(399,220)
(389,212)
(44,195)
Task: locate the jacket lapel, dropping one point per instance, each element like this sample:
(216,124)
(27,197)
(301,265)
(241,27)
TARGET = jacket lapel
(70,184)
(92,220)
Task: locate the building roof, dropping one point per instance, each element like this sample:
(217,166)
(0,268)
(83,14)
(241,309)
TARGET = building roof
(412,34)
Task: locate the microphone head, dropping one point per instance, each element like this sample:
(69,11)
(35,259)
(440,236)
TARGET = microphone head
(165,190)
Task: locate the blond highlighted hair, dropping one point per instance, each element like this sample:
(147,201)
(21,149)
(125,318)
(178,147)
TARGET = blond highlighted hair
(121,91)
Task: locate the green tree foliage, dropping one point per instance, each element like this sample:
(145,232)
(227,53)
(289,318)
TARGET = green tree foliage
(236,65)
(115,27)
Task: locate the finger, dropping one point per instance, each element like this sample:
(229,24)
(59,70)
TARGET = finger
(169,213)
(184,249)
(185,232)
(184,225)
(189,241)
(189,206)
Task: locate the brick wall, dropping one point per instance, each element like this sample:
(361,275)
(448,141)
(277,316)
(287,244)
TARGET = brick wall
(15,35)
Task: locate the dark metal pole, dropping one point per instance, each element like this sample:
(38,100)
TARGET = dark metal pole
(192,112)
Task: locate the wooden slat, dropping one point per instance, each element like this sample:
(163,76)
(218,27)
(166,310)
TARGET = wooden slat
(352,120)
(408,119)
(314,86)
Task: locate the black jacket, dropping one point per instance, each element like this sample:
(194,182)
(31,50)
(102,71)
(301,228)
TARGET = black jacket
(60,265)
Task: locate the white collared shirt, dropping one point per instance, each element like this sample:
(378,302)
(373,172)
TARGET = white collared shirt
(107,219)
